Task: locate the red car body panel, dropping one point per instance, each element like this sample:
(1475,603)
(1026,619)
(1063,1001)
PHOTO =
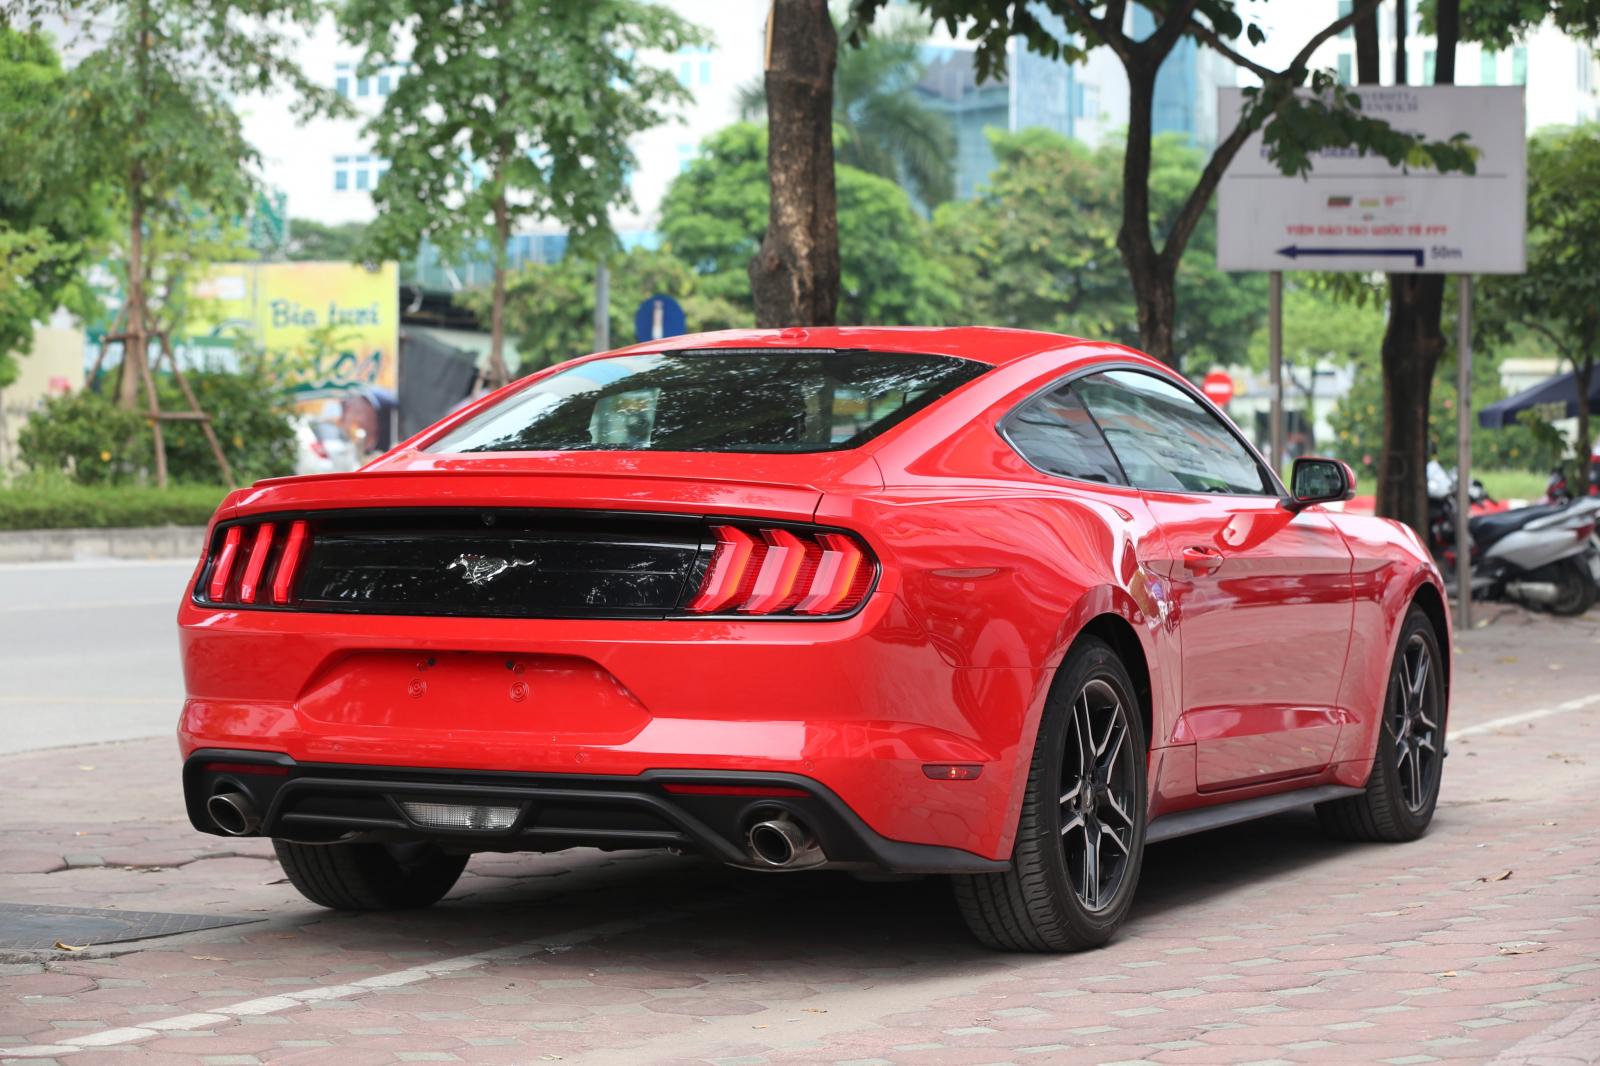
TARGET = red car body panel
(1266,668)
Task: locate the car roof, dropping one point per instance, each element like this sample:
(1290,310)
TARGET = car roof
(994,345)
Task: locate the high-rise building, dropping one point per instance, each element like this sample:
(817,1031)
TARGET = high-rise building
(1087,101)
(1558,71)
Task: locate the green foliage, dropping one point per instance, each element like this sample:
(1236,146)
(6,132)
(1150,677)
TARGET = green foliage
(1357,423)
(881,124)
(49,227)
(250,410)
(1037,247)
(54,502)
(509,111)
(550,306)
(318,242)
(1499,23)
(714,214)
(84,436)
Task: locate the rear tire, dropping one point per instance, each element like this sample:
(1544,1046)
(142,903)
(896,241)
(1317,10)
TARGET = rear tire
(1577,588)
(1081,801)
(369,877)
(1408,765)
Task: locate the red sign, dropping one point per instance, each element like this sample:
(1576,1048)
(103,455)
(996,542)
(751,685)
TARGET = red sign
(1218,388)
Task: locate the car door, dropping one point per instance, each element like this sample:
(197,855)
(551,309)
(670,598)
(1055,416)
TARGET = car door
(1263,598)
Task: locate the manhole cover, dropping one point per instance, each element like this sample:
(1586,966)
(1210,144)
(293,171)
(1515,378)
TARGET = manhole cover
(33,926)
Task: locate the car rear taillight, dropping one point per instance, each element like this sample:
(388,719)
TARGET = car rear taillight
(776,571)
(256,563)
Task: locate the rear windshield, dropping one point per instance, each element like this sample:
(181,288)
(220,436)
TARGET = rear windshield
(715,401)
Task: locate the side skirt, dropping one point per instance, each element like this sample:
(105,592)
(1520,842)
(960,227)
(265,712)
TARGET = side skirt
(1199,819)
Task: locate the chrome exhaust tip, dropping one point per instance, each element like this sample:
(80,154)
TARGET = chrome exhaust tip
(782,843)
(233,813)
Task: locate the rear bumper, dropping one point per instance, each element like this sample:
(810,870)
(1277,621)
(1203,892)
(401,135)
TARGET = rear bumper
(692,810)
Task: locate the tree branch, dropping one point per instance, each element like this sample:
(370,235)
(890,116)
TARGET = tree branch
(1171,29)
(1110,33)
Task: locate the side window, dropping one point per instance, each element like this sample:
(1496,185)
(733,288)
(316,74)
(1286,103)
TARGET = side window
(1055,433)
(1166,441)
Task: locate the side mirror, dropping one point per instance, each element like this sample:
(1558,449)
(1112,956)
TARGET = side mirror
(1316,480)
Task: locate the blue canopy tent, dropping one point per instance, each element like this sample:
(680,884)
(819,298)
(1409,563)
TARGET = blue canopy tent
(1556,396)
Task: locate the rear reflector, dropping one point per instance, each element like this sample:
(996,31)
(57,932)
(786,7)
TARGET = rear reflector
(735,790)
(463,816)
(939,771)
(266,769)
(784,572)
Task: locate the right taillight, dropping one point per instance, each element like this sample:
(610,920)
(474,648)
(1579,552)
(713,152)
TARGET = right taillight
(771,570)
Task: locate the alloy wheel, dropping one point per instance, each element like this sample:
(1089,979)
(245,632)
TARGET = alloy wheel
(1097,782)
(1414,723)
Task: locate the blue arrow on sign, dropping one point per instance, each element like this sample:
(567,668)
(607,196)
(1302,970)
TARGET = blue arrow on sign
(659,316)
(1294,251)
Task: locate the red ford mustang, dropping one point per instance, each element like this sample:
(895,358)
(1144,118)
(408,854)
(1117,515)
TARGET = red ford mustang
(1001,605)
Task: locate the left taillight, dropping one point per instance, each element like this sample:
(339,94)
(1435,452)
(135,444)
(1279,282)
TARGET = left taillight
(770,570)
(254,563)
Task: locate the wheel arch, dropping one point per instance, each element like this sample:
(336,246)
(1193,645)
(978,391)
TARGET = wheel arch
(1119,633)
(1428,597)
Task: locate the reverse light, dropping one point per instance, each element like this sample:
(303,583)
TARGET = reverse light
(777,571)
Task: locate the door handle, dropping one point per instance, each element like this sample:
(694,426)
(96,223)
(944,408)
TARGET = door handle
(1201,560)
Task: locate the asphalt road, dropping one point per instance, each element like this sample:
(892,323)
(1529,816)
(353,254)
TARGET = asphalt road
(88,652)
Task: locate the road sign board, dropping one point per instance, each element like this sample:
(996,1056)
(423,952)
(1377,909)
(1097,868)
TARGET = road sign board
(1218,387)
(1355,212)
(658,316)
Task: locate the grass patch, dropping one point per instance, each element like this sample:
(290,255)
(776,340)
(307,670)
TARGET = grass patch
(1513,484)
(61,504)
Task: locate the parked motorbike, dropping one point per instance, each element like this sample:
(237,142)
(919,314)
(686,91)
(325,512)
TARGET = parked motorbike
(1545,556)
(1562,486)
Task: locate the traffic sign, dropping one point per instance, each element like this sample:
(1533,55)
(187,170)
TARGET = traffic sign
(659,316)
(1218,387)
(1357,212)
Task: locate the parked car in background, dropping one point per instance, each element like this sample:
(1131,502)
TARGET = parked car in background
(322,447)
(1000,605)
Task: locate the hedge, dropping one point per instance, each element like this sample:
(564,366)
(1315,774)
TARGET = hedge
(60,504)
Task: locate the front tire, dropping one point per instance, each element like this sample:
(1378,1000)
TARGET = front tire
(1080,841)
(369,877)
(1408,765)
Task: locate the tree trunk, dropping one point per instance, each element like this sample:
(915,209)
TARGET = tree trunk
(1412,345)
(133,341)
(498,374)
(1154,282)
(1413,339)
(1585,371)
(794,276)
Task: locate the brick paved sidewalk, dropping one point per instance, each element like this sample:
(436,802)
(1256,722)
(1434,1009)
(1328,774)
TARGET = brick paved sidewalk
(1260,943)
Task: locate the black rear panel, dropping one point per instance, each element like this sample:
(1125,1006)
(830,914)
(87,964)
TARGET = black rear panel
(508,563)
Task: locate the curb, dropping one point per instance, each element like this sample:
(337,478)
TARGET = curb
(57,545)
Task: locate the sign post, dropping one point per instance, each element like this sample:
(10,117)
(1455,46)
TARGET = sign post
(658,316)
(1356,212)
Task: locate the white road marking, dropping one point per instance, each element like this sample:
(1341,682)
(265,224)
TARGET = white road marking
(289,1000)
(1526,716)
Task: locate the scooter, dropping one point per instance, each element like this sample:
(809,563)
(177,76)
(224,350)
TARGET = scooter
(1544,556)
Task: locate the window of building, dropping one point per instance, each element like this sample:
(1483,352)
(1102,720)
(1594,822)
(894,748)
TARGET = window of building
(1519,66)
(341,79)
(1429,58)
(383,84)
(685,72)
(705,72)
(685,157)
(1345,7)
(1345,60)
(341,173)
(1489,68)
(363,86)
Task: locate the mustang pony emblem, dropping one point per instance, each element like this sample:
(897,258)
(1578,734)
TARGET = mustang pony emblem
(482,569)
